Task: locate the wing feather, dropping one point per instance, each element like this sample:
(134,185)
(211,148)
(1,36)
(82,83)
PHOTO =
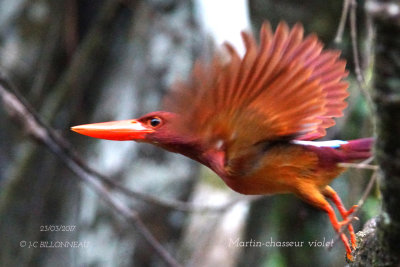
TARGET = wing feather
(285,86)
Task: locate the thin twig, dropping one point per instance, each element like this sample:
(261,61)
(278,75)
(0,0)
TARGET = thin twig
(342,23)
(358,166)
(356,55)
(19,109)
(354,41)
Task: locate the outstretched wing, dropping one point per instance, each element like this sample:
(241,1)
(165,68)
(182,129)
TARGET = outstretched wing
(285,87)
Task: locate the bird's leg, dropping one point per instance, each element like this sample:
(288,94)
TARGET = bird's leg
(331,194)
(312,195)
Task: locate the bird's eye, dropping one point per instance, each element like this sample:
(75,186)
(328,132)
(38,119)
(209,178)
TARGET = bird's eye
(154,122)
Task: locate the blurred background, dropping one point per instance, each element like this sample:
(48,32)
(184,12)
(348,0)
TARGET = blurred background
(82,61)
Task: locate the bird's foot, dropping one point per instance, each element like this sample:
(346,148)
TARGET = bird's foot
(338,228)
(349,257)
(352,237)
(340,224)
(347,222)
(349,211)
(345,241)
(350,226)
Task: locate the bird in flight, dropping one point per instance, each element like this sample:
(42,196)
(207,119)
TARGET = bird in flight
(253,119)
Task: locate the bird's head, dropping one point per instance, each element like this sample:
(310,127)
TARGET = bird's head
(158,128)
(154,127)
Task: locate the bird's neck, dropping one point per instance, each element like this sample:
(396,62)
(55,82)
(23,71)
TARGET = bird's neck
(214,159)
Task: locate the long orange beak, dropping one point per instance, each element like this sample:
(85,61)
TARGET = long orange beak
(114,130)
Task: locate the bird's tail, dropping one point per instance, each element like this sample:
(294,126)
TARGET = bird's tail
(357,149)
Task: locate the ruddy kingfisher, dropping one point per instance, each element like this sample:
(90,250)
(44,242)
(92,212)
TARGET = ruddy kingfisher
(252,119)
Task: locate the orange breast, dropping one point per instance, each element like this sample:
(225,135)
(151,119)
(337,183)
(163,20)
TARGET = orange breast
(283,170)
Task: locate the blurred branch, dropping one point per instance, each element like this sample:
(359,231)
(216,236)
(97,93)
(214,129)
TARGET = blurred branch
(342,23)
(350,9)
(356,55)
(361,165)
(85,61)
(47,54)
(176,204)
(172,204)
(21,111)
